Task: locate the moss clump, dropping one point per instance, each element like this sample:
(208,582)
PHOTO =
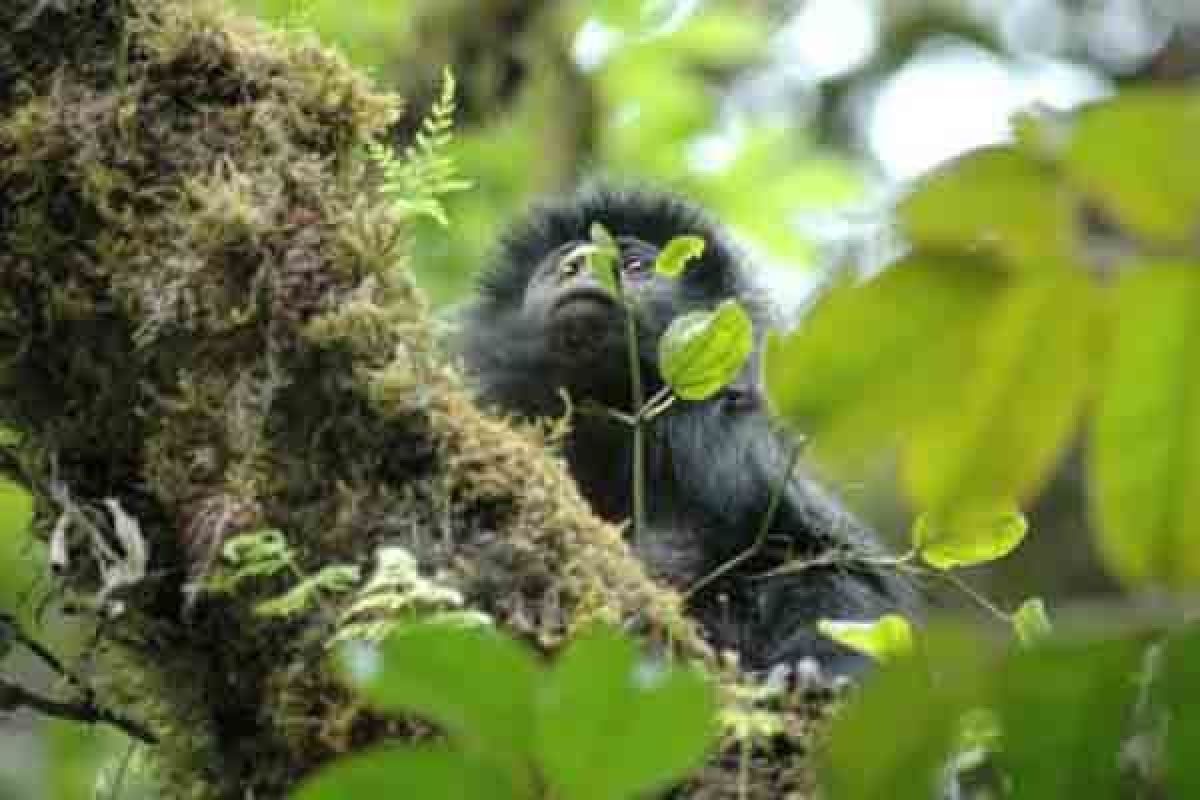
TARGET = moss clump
(201,316)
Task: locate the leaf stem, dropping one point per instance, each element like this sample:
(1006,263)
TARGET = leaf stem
(638,402)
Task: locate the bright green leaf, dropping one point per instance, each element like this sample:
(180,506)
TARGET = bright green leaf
(624,15)
(913,325)
(1016,405)
(477,683)
(1145,444)
(968,536)
(702,352)
(612,726)
(1137,155)
(1031,622)
(430,773)
(678,253)
(998,198)
(604,257)
(885,639)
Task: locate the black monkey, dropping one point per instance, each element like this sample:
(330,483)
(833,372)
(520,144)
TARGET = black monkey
(543,323)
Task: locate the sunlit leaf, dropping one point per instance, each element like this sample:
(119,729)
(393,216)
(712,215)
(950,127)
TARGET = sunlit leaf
(431,773)
(703,351)
(1145,444)
(998,198)
(678,253)
(968,536)
(912,327)
(1137,155)
(884,639)
(611,726)
(1017,404)
(1031,622)
(475,682)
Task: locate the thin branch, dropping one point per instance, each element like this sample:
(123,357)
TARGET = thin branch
(763,528)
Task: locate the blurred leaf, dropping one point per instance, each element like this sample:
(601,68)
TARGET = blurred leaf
(885,639)
(893,737)
(431,773)
(1063,709)
(1181,688)
(76,754)
(968,536)
(624,15)
(703,351)
(18,550)
(1137,155)
(1031,622)
(612,727)
(477,683)
(678,253)
(998,198)
(1018,403)
(1145,444)
(719,36)
(854,392)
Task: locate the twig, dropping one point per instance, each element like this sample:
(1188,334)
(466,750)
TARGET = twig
(13,697)
(763,528)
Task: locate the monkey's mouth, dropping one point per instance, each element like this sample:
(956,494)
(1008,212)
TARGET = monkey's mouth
(584,301)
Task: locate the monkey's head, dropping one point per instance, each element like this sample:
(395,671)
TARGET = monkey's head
(543,322)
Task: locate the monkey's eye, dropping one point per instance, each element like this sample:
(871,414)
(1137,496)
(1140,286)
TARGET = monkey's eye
(573,263)
(636,263)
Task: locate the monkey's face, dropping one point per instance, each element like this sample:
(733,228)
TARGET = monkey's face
(583,321)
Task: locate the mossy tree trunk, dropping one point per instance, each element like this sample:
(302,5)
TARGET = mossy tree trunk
(206,330)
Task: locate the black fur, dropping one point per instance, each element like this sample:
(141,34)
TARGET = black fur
(710,466)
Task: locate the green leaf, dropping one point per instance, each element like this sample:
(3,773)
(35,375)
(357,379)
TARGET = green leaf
(1144,458)
(914,327)
(678,253)
(430,773)
(624,15)
(1015,406)
(475,682)
(1064,709)
(1136,154)
(703,351)
(610,726)
(997,198)
(604,257)
(968,536)
(886,639)
(893,738)
(1031,622)
(1181,687)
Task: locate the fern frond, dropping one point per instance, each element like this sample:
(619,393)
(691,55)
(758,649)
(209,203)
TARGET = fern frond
(416,183)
